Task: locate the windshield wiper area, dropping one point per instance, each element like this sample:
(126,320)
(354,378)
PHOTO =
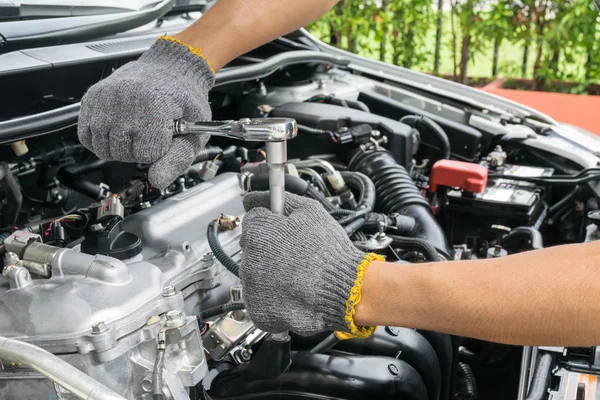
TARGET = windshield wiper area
(18,35)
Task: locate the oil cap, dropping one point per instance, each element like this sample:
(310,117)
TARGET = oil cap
(108,237)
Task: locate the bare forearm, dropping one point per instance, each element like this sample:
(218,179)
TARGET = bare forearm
(233,27)
(547,297)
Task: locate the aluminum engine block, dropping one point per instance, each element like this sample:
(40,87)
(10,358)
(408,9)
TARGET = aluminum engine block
(103,315)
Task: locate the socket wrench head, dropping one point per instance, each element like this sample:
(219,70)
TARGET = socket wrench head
(250,130)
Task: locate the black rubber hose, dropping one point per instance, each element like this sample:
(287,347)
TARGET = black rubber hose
(403,224)
(397,193)
(220,310)
(207,153)
(394,187)
(357,105)
(14,197)
(523,238)
(293,184)
(365,185)
(312,131)
(404,344)
(157,376)
(316,195)
(539,383)
(560,204)
(212,235)
(352,227)
(366,199)
(420,123)
(72,178)
(420,245)
(467,385)
(442,344)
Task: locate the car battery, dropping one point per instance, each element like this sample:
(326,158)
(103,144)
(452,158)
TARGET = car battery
(506,201)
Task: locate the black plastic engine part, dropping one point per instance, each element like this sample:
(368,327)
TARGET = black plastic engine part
(109,238)
(447,355)
(523,238)
(415,244)
(397,193)
(506,201)
(270,362)
(14,198)
(72,177)
(404,344)
(467,385)
(426,124)
(320,376)
(464,140)
(403,141)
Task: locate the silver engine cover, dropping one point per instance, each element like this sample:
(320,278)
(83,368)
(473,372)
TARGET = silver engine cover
(103,315)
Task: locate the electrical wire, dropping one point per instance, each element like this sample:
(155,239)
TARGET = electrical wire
(584,176)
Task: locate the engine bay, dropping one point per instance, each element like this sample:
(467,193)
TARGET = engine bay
(115,277)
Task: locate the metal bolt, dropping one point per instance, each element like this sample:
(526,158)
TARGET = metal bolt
(175,318)
(174,315)
(10,258)
(375,134)
(147,384)
(169,291)
(245,355)
(100,327)
(392,330)
(236,294)
(208,256)
(393,369)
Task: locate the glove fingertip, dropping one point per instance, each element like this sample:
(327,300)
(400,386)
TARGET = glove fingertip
(84,134)
(174,163)
(256,199)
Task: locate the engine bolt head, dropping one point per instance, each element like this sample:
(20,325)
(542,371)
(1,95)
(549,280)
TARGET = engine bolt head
(393,369)
(10,258)
(208,256)
(169,291)
(100,327)
(175,318)
(392,330)
(245,355)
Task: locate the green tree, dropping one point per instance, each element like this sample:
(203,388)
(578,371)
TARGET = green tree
(409,22)
(498,25)
(466,18)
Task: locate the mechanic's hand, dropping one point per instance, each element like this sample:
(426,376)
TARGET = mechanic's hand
(300,271)
(128,116)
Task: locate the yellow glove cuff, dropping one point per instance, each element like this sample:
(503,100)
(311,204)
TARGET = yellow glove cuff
(193,50)
(355,296)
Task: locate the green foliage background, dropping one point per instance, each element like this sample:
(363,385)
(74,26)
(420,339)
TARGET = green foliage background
(543,40)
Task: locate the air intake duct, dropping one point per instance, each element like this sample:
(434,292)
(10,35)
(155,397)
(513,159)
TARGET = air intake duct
(397,193)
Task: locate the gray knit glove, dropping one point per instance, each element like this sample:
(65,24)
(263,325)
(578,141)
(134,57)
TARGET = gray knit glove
(128,116)
(300,271)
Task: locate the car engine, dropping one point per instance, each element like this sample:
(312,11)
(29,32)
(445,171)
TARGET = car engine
(112,289)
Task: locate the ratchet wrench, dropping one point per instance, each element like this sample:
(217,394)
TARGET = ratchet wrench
(274,132)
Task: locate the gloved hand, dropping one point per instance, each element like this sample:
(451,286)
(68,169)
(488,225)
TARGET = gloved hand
(128,116)
(300,271)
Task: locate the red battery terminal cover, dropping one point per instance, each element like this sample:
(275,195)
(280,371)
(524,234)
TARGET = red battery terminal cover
(458,174)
